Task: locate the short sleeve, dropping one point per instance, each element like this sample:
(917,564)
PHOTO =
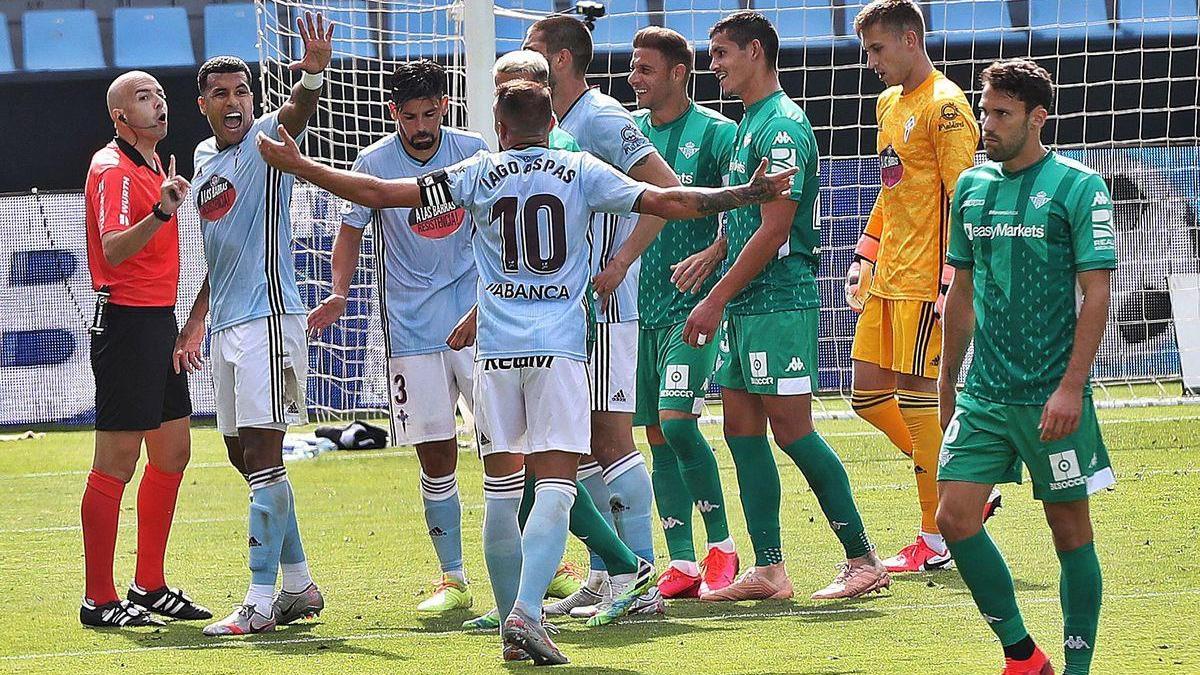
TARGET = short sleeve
(606,189)
(623,144)
(357,215)
(457,183)
(785,143)
(723,138)
(1093,237)
(113,214)
(959,254)
(268,123)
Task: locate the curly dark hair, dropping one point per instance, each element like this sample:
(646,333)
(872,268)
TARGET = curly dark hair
(1022,79)
(418,79)
(221,64)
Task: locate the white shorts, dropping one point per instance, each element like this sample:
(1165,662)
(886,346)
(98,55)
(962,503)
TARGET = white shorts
(424,392)
(532,404)
(612,367)
(260,374)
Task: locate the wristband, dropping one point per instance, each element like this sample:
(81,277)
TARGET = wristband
(335,295)
(159,213)
(312,81)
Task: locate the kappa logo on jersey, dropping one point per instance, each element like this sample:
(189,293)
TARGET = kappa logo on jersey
(670,522)
(951,119)
(1065,468)
(689,149)
(215,198)
(632,139)
(1076,642)
(796,365)
(437,221)
(891,169)
(1100,199)
(909,125)
(781,138)
(1040,199)
(705,506)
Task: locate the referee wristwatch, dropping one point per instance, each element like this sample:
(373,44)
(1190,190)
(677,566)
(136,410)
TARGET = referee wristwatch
(159,213)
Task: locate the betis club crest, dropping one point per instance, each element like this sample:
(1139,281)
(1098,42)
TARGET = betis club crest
(891,169)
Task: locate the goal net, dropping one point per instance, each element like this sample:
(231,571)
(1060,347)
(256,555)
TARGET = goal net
(1126,104)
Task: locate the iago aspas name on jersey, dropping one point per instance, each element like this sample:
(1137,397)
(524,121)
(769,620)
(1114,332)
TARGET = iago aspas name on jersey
(514,168)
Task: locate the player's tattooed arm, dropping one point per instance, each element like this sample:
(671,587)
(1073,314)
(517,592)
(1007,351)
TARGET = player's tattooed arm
(687,203)
(360,188)
(318,52)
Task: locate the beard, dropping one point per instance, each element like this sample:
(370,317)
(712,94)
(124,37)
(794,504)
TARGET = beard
(421,141)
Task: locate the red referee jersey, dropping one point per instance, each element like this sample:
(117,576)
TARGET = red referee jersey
(121,190)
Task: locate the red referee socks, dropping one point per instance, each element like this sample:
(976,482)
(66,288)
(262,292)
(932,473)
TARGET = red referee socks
(99,513)
(155,511)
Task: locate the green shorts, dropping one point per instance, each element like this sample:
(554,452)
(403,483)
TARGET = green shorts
(671,375)
(987,442)
(773,354)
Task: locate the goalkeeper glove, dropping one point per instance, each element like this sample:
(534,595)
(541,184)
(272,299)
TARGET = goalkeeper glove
(858,278)
(943,285)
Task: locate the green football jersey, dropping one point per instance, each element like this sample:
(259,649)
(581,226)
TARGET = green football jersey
(777,129)
(560,139)
(697,146)
(1025,236)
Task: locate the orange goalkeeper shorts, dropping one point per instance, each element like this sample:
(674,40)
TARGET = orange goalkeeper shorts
(903,336)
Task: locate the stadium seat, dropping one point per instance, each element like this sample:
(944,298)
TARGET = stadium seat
(1162,18)
(510,31)
(614,31)
(145,37)
(1076,20)
(352,33)
(420,31)
(66,39)
(230,30)
(960,22)
(693,18)
(800,23)
(6,57)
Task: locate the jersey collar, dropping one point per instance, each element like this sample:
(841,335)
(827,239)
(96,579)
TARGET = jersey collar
(686,111)
(764,101)
(575,103)
(132,153)
(1045,158)
(404,150)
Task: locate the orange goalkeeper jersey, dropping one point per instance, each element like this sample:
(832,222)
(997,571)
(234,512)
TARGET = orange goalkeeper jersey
(927,137)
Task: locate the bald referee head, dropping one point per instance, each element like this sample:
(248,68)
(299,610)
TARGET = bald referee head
(138,108)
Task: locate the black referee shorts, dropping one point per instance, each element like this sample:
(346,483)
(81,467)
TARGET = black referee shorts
(137,388)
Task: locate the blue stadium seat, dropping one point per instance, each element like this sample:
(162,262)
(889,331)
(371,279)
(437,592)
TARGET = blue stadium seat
(510,31)
(622,18)
(420,31)
(230,30)
(145,37)
(66,39)
(693,18)
(1163,18)
(352,34)
(1069,20)
(964,22)
(6,56)
(800,23)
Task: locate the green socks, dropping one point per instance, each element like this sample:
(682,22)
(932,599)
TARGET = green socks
(986,575)
(674,503)
(698,468)
(829,482)
(588,526)
(758,483)
(1079,590)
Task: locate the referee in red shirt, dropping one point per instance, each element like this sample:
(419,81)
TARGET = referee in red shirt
(133,255)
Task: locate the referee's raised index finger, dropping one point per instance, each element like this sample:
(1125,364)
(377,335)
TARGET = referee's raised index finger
(171,168)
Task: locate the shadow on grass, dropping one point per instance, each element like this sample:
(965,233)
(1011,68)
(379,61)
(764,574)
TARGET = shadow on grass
(293,639)
(954,582)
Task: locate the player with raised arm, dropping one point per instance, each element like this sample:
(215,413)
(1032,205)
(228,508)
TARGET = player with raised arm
(927,136)
(1029,232)
(672,375)
(426,283)
(605,129)
(767,366)
(532,206)
(259,350)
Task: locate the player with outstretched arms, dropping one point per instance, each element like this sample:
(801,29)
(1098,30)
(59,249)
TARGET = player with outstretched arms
(532,207)
(672,375)
(768,299)
(425,284)
(259,350)
(1032,241)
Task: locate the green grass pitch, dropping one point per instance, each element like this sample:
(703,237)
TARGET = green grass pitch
(364,532)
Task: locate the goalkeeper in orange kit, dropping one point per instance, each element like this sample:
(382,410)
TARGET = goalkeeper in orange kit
(927,137)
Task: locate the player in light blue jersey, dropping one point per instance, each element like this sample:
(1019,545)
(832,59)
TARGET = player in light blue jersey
(258,348)
(532,208)
(605,129)
(425,285)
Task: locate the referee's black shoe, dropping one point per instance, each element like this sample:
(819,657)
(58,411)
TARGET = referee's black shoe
(116,614)
(168,601)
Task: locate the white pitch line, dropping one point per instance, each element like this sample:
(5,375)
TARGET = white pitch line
(857,609)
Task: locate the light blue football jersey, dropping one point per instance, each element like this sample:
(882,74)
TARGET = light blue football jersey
(247,229)
(604,128)
(427,280)
(532,209)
